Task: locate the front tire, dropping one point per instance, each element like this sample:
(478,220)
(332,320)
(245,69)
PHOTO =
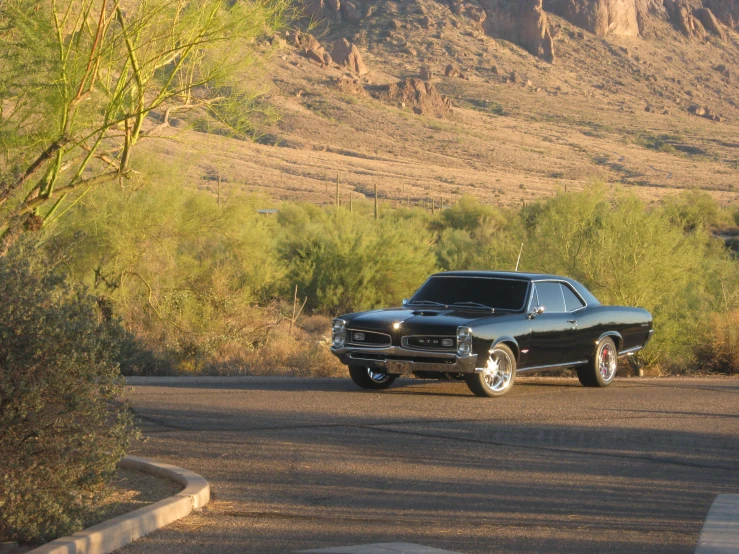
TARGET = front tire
(367,378)
(498,375)
(601,368)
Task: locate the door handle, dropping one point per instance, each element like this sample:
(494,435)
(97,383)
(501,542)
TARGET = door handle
(573,321)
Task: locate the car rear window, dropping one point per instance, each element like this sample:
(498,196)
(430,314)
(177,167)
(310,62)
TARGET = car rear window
(501,294)
(550,296)
(572,301)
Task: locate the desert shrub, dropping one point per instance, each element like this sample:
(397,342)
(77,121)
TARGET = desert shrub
(629,255)
(696,209)
(182,272)
(63,427)
(344,262)
(468,213)
(719,349)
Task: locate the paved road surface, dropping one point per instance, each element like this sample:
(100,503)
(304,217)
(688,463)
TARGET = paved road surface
(298,464)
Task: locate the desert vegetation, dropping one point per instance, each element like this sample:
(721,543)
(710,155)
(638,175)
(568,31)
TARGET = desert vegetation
(216,288)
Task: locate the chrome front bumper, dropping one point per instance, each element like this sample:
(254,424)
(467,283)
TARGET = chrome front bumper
(397,360)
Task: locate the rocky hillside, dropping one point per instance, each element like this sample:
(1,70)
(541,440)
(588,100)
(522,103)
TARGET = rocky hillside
(504,99)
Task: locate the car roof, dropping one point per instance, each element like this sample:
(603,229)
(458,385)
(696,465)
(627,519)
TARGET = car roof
(588,296)
(506,274)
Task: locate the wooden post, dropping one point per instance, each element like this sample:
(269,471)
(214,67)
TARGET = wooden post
(351,198)
(442,203)
(433,205)
(337,191)
(376,214)
(219,191)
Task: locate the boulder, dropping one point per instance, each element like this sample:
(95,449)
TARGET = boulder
(347,55)
(451,71)
(521,21)
(310,48)
(426,73)
(681,13)
(726,11)
(351,11)
(333,9)
(710,23)
(600,17)
(421,97)
(350,85)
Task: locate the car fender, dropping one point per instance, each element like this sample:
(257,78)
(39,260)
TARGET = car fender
(615,335)
(510,342)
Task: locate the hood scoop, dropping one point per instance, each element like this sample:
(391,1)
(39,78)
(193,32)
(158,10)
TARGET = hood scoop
(425,313)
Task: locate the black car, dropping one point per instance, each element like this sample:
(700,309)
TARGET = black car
(487,326)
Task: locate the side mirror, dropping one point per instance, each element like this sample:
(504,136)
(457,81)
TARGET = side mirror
(405,301)
(536,311)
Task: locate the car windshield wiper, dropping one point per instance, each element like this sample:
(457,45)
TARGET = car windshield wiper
(475,305)
(428,303)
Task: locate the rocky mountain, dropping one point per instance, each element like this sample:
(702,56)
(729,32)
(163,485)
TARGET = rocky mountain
(525,22)
(506,100)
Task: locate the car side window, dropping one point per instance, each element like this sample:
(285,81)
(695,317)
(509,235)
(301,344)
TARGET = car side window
(550,296)
(572,301)
(534,298)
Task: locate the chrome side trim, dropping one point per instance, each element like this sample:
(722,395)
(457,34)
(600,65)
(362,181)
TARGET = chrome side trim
(630,351)
(538,368)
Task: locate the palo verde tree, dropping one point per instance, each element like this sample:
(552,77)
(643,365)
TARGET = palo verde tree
(79,77)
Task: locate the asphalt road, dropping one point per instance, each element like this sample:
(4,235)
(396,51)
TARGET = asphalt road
(299,464)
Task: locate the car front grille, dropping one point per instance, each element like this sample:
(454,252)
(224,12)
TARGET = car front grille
(358,337)
(440,343)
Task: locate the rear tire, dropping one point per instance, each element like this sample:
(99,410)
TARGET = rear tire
(367,378)
(601,368)
(498,376)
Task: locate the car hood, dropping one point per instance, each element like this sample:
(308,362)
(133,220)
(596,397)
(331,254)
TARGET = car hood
(418,321)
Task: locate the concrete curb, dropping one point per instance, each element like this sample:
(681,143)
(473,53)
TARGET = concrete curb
(109,535)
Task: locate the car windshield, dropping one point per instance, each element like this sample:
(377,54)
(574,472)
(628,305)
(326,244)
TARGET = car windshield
(499,294)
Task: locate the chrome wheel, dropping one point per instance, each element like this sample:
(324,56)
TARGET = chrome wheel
(607,362)
(377,377)
(498,372)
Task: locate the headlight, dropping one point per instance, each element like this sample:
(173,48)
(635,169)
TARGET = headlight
(464,341)
(338,328)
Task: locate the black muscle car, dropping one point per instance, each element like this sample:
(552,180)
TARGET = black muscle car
(485,327)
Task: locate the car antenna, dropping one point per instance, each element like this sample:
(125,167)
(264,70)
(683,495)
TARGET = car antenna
(519,256)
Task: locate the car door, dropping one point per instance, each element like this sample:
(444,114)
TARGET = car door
(553,334)
(582,343)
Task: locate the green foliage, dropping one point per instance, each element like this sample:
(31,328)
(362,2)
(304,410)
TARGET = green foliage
(179,269)
(63,426)
(204,281)
(630,255)
(343,262)
(78,78)
(696,209)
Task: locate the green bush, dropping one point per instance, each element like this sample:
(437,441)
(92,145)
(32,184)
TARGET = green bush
(345,262)
(63,426)
(182,272)
(627,254)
